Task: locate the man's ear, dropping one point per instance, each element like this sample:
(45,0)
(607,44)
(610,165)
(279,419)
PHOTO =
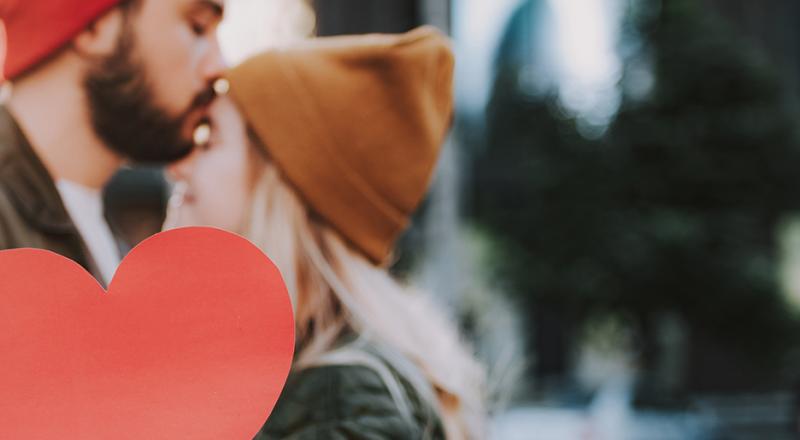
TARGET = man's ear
(100,37)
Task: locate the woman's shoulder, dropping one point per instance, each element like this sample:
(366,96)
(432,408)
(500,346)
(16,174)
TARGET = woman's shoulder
(347,401)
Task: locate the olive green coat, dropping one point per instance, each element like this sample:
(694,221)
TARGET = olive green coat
(346,402)
(31,211)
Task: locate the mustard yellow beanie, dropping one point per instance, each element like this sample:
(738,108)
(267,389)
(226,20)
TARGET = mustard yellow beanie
(355,123)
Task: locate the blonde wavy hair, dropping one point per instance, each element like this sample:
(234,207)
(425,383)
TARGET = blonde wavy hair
(336,290)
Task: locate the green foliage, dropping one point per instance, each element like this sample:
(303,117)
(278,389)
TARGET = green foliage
(675,208)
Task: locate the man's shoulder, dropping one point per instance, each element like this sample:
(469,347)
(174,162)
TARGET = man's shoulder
(9,138)
(7,216)
(9,158)
(15,228)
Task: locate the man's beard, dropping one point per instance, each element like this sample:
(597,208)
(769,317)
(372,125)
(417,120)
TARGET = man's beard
(124,113)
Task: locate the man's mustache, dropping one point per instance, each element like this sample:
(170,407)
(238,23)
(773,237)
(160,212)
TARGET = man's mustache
(204,98)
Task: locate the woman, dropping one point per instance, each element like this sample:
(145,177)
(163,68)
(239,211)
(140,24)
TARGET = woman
(319,155)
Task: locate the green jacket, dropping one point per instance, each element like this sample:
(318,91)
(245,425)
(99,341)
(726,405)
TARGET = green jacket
(31,211)
(345,402)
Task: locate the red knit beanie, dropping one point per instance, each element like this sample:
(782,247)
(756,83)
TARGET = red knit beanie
(35,29)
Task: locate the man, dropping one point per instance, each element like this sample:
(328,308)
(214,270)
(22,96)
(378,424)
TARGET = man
(93,84)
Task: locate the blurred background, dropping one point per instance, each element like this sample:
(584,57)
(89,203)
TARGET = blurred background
(615,220)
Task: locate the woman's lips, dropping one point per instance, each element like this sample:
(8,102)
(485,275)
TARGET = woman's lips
(189,198)
(181,195)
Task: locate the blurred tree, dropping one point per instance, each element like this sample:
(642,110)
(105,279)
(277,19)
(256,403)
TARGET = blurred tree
(771,23)
(674,210)
(711,162)
(337,17)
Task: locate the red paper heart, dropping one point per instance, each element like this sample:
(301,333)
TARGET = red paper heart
(193,340)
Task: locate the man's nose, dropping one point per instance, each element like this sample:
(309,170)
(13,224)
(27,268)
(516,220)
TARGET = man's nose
(214,64)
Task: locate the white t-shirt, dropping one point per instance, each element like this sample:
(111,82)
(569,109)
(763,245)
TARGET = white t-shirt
(85,207)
